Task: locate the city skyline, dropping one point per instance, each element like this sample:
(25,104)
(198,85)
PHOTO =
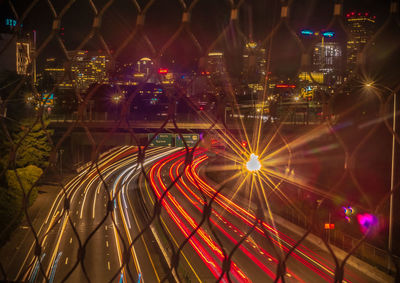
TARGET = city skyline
(199,141)
(249,21)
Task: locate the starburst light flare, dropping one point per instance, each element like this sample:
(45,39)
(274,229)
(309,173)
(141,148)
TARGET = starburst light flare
(253,164)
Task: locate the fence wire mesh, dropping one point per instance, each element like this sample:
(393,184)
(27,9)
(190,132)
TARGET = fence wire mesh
(161,184)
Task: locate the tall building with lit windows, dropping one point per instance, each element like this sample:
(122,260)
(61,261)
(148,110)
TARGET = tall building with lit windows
(23,56)
(8,43)
(87,68)
(361,27)
(254,63)
(144,66)
(216,64)
(327,59)
(327,56)
(144,71)
(54,70)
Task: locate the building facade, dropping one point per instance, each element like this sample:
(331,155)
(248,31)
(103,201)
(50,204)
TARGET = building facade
(361,27)
(327,59)
(54,70)
(254,63)
(327,56)
(216,64)
(88,68)
(23,56)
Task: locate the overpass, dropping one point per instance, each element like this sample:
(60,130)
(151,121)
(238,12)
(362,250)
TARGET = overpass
(107,125)
(86,135)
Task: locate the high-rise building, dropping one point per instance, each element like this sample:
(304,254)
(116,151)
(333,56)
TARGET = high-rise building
(361,27)
(144,66)
(254,63)
(145,71)
(23,56)
(7,43)
(88,68)
(327,56)
(327,59)
(54,70)
(7,57)
(17,45)
(216,64)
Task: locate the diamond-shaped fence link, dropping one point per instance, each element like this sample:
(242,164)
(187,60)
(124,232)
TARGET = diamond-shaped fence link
(156,205)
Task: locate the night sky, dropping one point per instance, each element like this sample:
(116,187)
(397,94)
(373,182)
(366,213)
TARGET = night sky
(257,18)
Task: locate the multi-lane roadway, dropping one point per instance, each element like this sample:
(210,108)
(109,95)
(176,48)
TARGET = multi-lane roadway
(256,258)
(88,231)
(98,229)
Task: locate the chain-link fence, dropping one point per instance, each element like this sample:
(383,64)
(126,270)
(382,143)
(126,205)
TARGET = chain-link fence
(229,74)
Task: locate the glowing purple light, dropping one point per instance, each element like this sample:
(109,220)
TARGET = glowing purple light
(366,221)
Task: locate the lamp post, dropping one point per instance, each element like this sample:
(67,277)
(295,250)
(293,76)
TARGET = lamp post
(116,99)
(390,237)
(61,160)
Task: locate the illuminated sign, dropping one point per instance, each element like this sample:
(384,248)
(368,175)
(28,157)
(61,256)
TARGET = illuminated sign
(285,86)
(251,45)
(308,91)
(23,57)
(163,71)
(11,22)
(324,34)
(307,32)
(215,54)
(190,139)
(329,226)
(328,34)
(162,139)
(48,98)
(312,77)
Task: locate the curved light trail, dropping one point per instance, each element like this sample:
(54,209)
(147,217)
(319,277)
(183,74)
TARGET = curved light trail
(116,192)
(184,201)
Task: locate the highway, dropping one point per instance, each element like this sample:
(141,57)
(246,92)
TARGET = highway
(92,240)
(256,259)
(105,235)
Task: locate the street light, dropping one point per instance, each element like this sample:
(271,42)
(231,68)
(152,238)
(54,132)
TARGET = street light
(253,164)
(390,240)
(116,99)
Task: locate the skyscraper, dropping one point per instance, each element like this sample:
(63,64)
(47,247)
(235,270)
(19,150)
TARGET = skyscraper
(144,66)
(88,68)
(327,56)
(54,70)
(23,56)
(216,64)
(327,59)
(254,63)
(361,27)
(145,71)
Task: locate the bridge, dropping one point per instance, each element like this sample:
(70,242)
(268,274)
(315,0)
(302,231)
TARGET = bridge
(85,134)
(138,125)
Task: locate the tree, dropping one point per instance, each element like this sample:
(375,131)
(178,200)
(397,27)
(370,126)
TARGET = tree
(34,148)
(24,141)
(28,176)
(13,194)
